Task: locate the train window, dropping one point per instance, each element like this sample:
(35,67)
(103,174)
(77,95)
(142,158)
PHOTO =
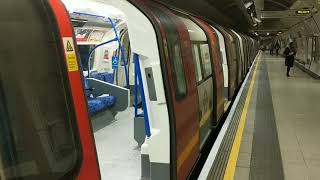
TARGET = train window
(219,52)
(37,138)
(173,45)
(196,62)
(206,60)
(179,71)
(198,38)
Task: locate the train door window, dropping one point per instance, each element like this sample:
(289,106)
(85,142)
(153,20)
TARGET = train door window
(205,59)
(197,37)
(196,62)
(219,52)
(178,69)
(174,53)
(37,118)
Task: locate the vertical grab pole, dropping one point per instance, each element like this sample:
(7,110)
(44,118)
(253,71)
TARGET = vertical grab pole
(143,99)
(135,91)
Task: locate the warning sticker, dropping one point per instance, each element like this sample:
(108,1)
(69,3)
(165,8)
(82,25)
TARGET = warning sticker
(72,62)
(69,46)
(70,54)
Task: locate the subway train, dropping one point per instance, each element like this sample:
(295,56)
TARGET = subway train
(190,68)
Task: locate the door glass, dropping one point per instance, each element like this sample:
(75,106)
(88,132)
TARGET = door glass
(196,62)
(205,59)
(37,140)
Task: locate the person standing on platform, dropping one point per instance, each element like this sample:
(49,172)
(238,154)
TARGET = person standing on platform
(289,54)
(271,49)
(277,47)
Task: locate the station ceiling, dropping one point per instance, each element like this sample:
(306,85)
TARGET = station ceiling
(234,14)
(277,5)
(229,13)
(287,14)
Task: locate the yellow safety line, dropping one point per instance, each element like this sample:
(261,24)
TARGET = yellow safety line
(205,118)
(232,162)
(187,150)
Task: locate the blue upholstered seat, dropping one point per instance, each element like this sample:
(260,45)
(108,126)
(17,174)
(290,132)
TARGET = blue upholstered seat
(95,106)
(99,103)
(106,77)
(107,100)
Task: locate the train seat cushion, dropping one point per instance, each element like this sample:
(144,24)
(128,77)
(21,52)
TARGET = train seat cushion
(95,106)
(107,100)
(106,77)
(100,103)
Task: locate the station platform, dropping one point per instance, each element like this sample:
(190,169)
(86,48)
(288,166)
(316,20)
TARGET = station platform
(273,130)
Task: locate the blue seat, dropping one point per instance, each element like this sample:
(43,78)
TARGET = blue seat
(99,103)
(106,77)
(108,101)
(95,106)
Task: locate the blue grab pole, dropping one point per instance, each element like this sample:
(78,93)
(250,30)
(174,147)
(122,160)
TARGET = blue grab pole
(143,99)
(135,91)
(122,52)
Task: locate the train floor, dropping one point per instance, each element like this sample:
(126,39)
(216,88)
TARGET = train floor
(118,152)
(275,129)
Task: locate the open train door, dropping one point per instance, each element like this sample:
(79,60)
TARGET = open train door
(44,127)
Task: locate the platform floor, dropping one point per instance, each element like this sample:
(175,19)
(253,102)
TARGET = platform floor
(281,137)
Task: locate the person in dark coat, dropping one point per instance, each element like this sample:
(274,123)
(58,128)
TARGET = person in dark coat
(289,54)
(271,49)
(277,47)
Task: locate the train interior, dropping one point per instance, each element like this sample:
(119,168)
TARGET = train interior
(104,50)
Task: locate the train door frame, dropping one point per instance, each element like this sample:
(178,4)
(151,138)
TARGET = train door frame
(187,139)
(231,59)
(51,20)
(246,52)
(238,57)
(242,58)
(90,166)
(225,62)
(170,102)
